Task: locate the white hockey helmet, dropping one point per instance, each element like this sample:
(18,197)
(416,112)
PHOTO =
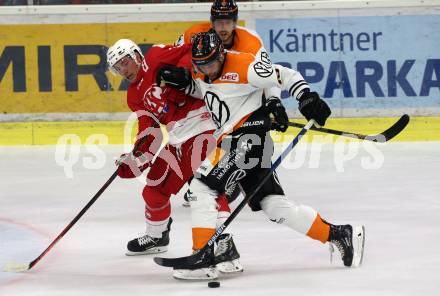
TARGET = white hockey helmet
(120,49)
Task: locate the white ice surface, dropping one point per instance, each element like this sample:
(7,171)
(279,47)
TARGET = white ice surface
(399,204)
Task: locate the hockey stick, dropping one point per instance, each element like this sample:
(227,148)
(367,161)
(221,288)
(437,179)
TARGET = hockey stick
(385,136)
(189,262)
(20,267)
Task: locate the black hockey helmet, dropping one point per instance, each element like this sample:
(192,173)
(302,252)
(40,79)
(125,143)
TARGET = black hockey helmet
(224,9)
(206,48)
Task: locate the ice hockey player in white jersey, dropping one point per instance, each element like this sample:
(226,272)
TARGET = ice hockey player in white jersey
(232,85)
(223,20)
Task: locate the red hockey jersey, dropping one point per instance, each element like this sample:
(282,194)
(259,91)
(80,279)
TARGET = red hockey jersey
(184,116)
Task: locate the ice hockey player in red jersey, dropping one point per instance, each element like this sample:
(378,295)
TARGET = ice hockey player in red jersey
(184,118)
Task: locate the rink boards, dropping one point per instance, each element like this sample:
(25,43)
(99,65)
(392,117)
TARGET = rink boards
(121,132)
(54,81)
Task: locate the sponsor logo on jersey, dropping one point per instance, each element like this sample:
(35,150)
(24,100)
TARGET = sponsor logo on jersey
(279,221)
(234,77)
(253,123)
(228,163)
(263,70)
(190,196)
(219,110)
(153,101)
(265,59)
(234,178)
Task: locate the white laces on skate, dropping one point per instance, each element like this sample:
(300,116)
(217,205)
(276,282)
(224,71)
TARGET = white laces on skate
(145,239)
(338,245)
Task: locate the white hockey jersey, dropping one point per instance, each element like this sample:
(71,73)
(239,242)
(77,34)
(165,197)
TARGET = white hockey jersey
(238,91)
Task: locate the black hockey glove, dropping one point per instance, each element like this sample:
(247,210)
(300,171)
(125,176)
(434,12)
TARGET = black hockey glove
(313,107)
(280,118)
(175,77)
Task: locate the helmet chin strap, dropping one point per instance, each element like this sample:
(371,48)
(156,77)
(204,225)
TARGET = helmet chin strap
(137,58)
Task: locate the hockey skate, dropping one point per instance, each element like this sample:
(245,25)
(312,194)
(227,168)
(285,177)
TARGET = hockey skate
(146,244)
(204,270)
(350,243)
(200,274)
(226,255)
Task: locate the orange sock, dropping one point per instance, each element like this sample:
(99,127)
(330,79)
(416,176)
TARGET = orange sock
(319,230)
(201,236)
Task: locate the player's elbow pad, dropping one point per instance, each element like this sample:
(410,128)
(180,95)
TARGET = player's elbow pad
(292,81)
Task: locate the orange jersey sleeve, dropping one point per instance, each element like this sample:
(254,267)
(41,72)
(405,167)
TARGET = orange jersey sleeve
(246,40)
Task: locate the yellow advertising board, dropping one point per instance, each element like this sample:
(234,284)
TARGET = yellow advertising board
(61,68)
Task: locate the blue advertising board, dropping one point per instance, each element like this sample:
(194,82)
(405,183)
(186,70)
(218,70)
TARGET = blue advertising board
(361,62)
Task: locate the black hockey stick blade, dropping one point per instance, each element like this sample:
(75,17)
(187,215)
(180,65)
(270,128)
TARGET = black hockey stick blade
(393,131)
(385,136)
(186,262)
(189,262)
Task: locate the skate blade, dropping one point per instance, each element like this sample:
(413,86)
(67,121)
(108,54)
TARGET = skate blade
(230,266)
(202,274)
(148,252)
(358,245)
